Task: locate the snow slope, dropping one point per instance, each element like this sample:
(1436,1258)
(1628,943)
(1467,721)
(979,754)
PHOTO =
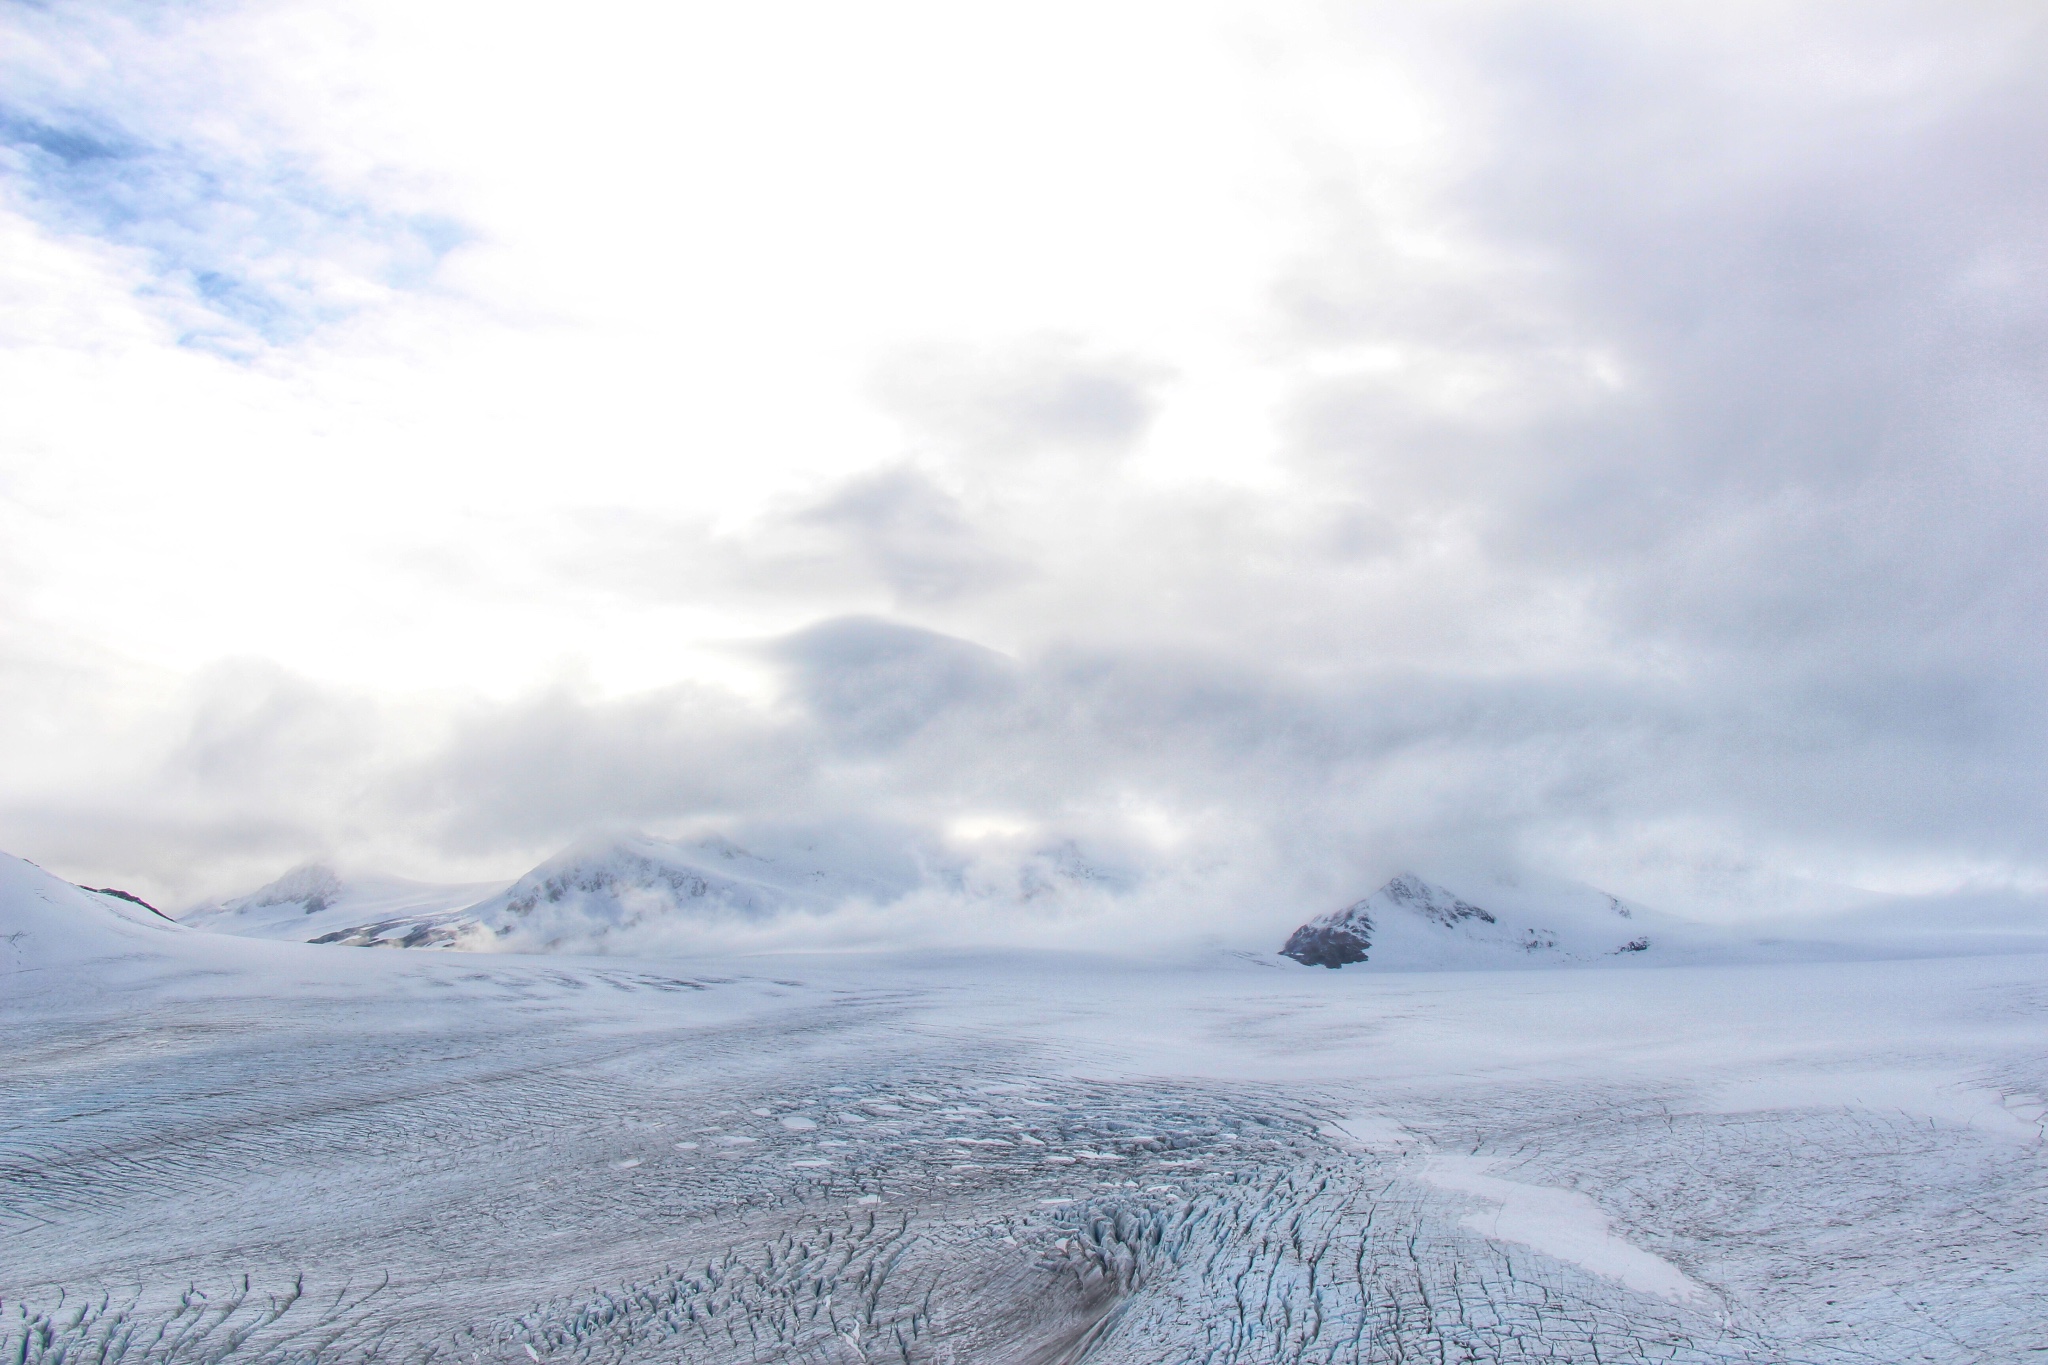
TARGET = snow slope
(48,925)
(315,904)
(1415,925)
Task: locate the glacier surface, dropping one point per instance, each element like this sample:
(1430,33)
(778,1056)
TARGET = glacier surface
(226,1149)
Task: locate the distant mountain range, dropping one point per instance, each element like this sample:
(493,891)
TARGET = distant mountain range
(579,899)
(636,895)
(630,893)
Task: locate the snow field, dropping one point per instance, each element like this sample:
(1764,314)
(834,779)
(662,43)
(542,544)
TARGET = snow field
(215,1151)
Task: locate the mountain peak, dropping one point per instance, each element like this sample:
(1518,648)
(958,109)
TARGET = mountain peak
(1411,922)
(1430,901)
(313,885)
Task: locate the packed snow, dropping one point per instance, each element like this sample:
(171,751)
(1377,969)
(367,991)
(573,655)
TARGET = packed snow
(224,1148)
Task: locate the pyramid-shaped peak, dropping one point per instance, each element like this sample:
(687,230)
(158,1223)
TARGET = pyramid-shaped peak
(1345,936)
(313,885)
(1429,900)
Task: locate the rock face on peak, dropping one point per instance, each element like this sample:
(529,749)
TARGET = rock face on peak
(118,894)
(1332,941)
(1415,924)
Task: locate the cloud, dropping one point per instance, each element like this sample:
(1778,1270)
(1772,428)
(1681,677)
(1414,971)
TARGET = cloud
(1041,394)
(886,538)
(1519,432)
(874,684)
(535,772)
(914,535)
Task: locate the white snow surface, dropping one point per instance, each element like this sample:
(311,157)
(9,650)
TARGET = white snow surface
(220,1149)
(314,903)
(47,925)
(1560,1223)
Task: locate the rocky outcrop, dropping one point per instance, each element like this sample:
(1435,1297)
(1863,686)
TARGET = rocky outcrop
(1415,925)
(1330,945)
(128,896)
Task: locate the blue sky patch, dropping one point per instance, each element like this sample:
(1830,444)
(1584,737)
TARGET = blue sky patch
(253,243)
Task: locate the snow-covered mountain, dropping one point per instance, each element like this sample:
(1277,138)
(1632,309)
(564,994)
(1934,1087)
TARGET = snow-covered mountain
(47,924)
(1414,924)
(633,894)
(316,904)
(624,893)
(784,886)
(607,893)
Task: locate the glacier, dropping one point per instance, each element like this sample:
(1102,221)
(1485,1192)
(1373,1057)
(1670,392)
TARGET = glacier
(226,1148)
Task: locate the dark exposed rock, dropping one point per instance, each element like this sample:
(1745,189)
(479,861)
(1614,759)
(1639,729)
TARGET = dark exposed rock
(1329,945)
(396,933)
(128,896)
(1343,936)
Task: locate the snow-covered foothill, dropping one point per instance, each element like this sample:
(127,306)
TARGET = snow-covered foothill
(1417,925)
(48,924)
(316,904)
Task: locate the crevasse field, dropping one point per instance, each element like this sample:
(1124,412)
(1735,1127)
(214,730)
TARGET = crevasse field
(227,1149)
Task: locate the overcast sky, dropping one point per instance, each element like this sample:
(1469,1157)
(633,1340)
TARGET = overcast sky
(1269,445)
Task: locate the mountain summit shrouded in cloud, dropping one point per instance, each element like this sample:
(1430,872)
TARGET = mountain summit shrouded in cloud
(632,894)
(1280,444)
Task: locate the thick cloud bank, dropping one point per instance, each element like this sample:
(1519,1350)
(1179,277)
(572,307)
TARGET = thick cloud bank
(1265,450)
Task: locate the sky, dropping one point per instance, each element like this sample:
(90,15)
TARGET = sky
(1262,446)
